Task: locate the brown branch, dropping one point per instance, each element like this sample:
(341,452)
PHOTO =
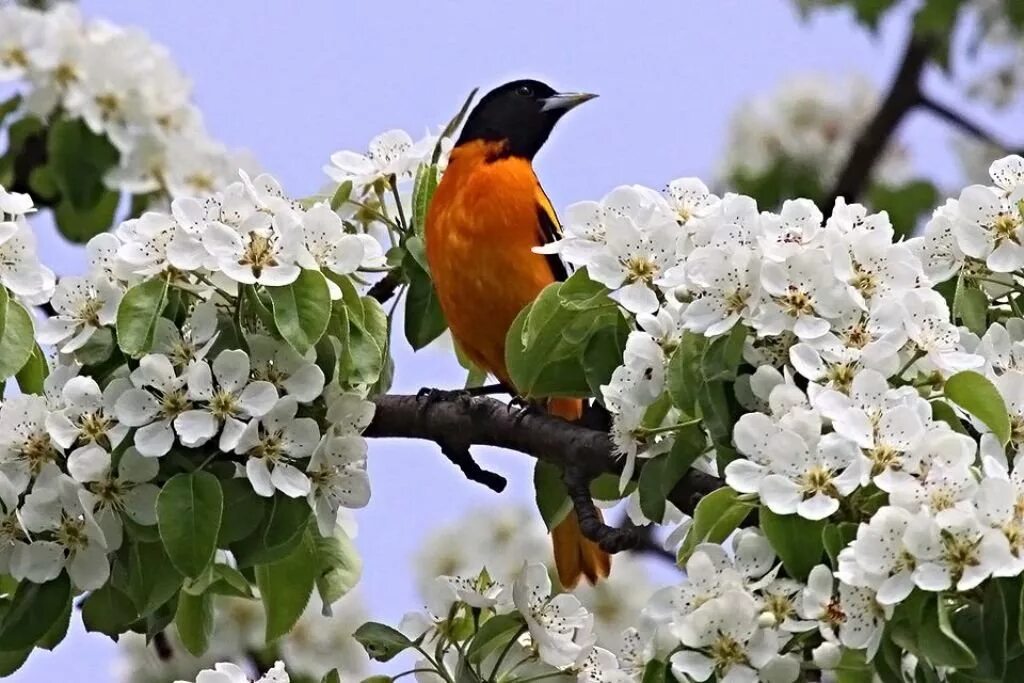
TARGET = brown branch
(903,95)
(611,539)
(463,422)
(384,288)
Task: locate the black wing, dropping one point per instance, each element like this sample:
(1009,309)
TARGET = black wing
(551,231)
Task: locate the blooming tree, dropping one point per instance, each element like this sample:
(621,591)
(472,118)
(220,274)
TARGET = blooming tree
(821,398)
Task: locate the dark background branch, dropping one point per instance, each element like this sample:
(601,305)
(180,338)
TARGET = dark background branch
(903,95)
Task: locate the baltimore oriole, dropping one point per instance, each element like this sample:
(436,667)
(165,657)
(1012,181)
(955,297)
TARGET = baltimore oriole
(487,215)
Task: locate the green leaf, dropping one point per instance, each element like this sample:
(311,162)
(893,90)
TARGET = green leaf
(285,587)
(684,373)
(552,496)
(938,643)
(603,353)
(652,494)
(716,516)
(689,444)
(5,299)
(78,160)
(978,396)
(381,642)
(797,541)
(194,622)
(17,341)
(152,579)
(277,535)
(494,634)
(58,631)
(546,344)
(905,204)
(33,373)
(333,676)
(81,225)
(34,609)
(189,510)
(9,106)
(137,314)
(970,306)
(229,581)
(108,611)
(12,661)
(341,195)
(722,357)
(338,565)
(299,309)
(424,319)
(244,509)
(423,191)
(656,671)
(942,411)
(835,537)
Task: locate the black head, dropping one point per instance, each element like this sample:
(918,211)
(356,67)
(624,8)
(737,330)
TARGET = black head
(521,114)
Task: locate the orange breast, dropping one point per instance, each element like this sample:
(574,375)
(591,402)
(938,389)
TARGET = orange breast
(480,231)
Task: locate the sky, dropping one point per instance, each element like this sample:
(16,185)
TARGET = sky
(295,81)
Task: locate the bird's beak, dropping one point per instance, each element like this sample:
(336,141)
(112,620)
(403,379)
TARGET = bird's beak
(564,101)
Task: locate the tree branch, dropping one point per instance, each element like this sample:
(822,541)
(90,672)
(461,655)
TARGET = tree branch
(965,124)
(384,288)
(903,95)
(463,422)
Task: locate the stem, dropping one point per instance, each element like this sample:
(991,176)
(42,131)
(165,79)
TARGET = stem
(437,668)
(670,428)
(410,672)
(206,281)
(918,355)
(393,183)
(504,653)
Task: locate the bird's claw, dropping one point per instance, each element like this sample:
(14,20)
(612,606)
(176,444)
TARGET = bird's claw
(521,407)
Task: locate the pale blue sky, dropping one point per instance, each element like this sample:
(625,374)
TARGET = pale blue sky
(295,81)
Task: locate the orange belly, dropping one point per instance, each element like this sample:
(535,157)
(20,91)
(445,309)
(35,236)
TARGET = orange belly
(481,229)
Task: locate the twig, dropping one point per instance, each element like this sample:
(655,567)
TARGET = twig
(162,645)
(611,539)
(963,123)
(384,288)
(646,544)
(904,93)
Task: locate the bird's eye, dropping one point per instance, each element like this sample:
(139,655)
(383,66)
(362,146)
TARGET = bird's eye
(525,91)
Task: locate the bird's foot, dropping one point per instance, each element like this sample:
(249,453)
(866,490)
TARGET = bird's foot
(521,407)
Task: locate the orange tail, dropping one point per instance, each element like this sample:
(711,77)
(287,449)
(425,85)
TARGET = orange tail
(575,556)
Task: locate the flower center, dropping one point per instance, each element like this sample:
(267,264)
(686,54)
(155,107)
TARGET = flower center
(779,606)
(259,254)
(941,499)
(93,427)
(224,404)
(857,336)
(269,447)
(71,533)
(841,376)
(796,302)
(89,311)
(36,451)
(1005,227)
(818,479)
(726,652)
(173,403)
(959,552)
(640,269)
(109,104)
(14,56)
(864,281)
(202,183)
(884,457)
(1017,428)
(736,301)
(65,74)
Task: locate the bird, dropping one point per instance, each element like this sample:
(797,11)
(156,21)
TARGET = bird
(486,217)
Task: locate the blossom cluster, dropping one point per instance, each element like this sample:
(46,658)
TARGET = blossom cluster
(808,125)
(124,87)
(503,538)
(555,633)
(85,453)
(851,342)
(316,644)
